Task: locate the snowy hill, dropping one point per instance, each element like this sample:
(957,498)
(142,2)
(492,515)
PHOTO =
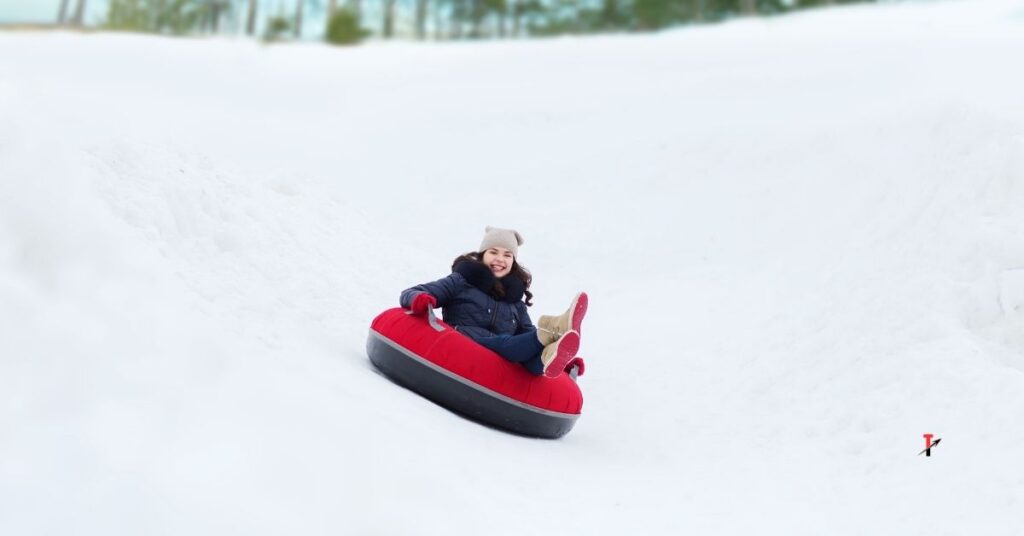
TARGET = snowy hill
(801,237)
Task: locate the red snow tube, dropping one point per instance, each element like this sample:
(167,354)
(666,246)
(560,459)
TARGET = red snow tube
(432,359)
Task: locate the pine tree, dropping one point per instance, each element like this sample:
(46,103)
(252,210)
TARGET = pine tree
(297,29)
(388,26)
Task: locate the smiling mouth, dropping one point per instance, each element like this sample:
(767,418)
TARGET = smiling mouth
(497,268)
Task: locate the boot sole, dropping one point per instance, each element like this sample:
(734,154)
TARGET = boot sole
(579,310)
(567,348)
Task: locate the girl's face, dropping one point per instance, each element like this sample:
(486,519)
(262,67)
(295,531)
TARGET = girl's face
(499,260)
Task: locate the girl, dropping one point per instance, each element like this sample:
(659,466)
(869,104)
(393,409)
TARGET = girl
(483,299)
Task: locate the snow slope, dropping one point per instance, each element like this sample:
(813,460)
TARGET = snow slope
(801,237)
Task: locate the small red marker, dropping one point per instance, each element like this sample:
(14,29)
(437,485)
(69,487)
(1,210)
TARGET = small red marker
(928,444)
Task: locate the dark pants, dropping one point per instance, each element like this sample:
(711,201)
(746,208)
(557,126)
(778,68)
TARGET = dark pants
(524,349)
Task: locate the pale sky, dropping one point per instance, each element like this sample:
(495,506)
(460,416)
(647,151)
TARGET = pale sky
(46,10)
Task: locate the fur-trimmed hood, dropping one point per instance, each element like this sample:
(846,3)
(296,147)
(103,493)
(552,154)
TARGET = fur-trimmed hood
(480,276)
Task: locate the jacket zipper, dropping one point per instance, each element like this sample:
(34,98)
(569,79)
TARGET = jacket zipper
(494,315)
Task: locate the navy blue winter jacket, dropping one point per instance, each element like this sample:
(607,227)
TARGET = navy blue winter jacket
(469,302)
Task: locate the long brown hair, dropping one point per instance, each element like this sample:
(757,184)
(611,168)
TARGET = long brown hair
(518,271)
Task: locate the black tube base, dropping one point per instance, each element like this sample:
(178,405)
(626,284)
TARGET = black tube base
(463,396)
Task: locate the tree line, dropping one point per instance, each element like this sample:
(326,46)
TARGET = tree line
(348,21)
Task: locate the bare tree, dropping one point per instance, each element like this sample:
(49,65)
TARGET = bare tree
(523,14)
(388,29)
(517,15)
(458,13)
(502,19)
(298,17)
(79,17)
(62,15)
(250,23)
(217,8)
(477,12)
(422,7)
(748,7)
(438,24)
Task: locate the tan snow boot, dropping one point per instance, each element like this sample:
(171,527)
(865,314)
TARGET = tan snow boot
(558,354)
(550,328)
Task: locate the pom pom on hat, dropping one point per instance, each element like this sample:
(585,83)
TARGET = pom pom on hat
(509,239)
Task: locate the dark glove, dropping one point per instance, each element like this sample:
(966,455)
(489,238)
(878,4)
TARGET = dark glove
(421,302)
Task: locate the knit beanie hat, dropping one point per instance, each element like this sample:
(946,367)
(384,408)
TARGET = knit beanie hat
(509,239)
